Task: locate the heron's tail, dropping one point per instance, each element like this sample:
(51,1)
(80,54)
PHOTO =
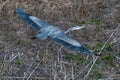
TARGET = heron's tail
(26,18)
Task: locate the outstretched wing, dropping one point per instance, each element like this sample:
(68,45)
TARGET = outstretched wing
(68,42)
(39,22)
(32,21)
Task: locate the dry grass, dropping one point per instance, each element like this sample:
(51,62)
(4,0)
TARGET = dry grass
(24,59)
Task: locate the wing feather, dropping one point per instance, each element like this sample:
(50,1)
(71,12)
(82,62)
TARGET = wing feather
(39,22)
(32,22)
(70,43)
(66,41)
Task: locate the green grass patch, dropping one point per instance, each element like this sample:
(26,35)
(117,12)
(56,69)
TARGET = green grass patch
(96,21)
(79,22)
(75,58)
(97,47)
(97,75)
(18,62)
(109,59)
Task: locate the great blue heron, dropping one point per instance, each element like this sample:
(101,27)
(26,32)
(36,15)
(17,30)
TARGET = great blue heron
(54,32)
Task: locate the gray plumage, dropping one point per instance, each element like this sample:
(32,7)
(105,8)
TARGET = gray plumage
(54,32)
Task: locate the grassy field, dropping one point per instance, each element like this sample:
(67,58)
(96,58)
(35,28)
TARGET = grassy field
(22,58)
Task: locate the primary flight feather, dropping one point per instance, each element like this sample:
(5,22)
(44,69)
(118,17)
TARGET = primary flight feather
(54,32)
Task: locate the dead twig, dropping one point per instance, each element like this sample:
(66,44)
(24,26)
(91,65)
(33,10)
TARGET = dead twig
(100,52)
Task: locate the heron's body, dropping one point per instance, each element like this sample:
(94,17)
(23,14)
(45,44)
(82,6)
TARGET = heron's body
(55,33)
